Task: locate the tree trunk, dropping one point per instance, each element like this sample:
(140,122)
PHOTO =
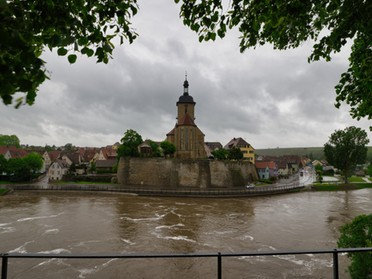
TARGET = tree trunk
(346,175)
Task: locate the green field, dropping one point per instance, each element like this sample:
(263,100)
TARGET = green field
(315,152)
(3,191)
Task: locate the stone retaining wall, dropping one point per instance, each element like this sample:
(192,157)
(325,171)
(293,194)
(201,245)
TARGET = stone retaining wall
(176,173)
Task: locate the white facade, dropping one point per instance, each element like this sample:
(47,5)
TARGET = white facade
(57,170)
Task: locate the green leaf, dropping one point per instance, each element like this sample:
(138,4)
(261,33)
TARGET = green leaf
(72,58)
(83,41)
(195,27)
(89,52)
(62,51)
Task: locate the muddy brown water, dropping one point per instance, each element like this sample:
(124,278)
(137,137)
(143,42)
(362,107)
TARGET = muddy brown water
(84,223)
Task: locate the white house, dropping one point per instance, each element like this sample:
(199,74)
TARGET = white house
(57,169)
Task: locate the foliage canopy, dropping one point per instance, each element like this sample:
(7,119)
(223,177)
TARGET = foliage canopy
(287,24)
(70,27)
(129,144)
(22,169)
(346,148)
(234,153)
(358,233)
(9,140)
(89,28)
(168,148)
(220,154)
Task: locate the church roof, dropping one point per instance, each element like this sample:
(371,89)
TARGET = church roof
(186,121)
(186,98)
(171,132)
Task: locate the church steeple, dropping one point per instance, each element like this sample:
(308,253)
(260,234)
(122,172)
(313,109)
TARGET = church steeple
(186,86)
(186,98)
(185,104)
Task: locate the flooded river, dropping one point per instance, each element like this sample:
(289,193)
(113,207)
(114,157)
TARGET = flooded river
(83,223)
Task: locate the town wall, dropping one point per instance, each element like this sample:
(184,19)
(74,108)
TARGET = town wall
(177,173)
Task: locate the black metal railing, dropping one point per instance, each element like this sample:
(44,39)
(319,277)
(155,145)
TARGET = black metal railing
(6,256)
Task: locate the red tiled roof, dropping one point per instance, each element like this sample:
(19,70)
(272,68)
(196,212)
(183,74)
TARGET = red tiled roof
(14,151)
(53,155)
(3,150)
(109,152)
(265,164)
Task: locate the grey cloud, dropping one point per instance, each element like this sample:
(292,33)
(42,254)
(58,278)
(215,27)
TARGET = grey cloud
(236,94)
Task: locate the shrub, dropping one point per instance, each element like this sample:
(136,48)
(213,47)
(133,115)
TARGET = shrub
(358,234)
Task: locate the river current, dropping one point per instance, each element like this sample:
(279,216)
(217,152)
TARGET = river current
(84,223)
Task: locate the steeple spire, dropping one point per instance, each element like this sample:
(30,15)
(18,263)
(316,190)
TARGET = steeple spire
(185,86)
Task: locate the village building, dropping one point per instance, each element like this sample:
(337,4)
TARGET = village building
(103,166)
(186,136)
(267,169)
(57,170)
(245,147)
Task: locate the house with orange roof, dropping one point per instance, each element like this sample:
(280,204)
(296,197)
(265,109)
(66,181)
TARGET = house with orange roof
(5,152)
(106,153)
(49,157)
(266,169)
(16,152)
(12,152)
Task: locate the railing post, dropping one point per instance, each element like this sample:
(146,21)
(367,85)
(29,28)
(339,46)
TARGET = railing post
(4,266)
(219,266)
(335,264)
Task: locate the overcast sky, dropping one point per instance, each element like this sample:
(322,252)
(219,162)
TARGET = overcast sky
(270,98)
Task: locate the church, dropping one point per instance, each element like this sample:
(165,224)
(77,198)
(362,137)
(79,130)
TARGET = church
(186,136)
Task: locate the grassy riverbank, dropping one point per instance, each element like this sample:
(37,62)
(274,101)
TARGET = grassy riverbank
(340,187)
(81,183)
(3,191)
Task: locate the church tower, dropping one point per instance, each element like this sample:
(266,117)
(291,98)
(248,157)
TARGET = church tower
(186,136)
(185,104)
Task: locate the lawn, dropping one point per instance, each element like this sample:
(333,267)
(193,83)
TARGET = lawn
(5,182)
(356,179)
(340,187)
(80,182)
(3,191)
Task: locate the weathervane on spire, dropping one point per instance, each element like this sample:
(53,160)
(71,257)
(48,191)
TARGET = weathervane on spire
(186,85)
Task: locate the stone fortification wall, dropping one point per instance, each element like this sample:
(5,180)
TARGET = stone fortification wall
(175,173)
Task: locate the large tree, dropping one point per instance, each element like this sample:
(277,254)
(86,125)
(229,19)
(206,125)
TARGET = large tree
(129,144)
(220,154)
(168,148)
(287,24)
(23,169)
(89,27)
(235,153)
(9,140)
(346,148)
